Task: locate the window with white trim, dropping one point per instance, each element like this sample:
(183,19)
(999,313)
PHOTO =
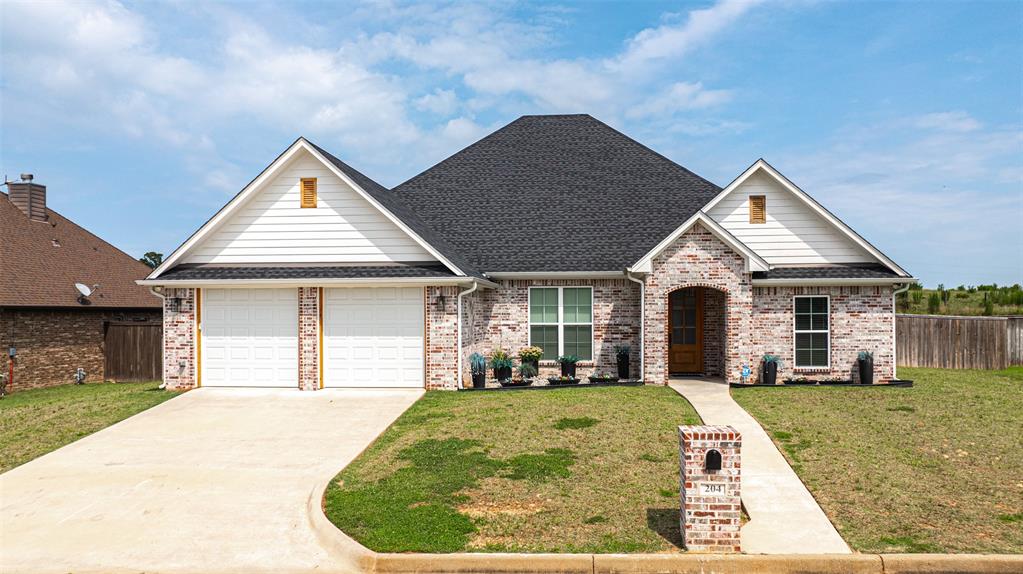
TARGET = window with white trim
(561,321)
(812,335)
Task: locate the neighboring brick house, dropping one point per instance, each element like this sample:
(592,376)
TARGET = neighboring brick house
(51,328)
(554,231)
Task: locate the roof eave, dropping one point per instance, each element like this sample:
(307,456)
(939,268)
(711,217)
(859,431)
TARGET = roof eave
(834,282)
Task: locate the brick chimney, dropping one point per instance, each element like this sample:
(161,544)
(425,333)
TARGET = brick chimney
(29,197)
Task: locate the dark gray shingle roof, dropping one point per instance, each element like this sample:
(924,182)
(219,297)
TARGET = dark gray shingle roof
(208,272)
(555,193)
(828,272)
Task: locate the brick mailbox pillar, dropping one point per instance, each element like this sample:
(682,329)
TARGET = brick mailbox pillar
(710,477)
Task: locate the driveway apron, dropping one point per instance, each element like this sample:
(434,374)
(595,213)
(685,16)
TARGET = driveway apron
(216,480)
(784,517)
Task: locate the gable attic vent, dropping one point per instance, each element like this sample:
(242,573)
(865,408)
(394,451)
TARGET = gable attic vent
(308,191)
(28,197)
(757,209)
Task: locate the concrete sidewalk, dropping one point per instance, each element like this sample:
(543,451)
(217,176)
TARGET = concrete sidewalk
(784,517)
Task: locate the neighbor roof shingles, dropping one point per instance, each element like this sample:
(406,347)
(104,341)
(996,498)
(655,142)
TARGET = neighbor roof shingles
(36,272)
(555,193)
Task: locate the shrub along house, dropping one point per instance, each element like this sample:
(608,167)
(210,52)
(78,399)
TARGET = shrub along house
(554,231)
(48,325)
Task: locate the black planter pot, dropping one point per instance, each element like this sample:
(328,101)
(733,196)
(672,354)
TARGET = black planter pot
(502,373)
(866,371)
(479,380)
(623,366)
(568,370)
(554,381)
(534,362)
(770,373)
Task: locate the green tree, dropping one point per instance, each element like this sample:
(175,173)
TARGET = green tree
(934,304)
(989,306)
(152,259)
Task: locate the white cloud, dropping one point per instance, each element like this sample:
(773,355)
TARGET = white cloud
(680,96)
(441,102)
(957,121)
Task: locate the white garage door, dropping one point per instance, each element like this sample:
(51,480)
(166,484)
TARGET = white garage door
(373,337)
(250,338)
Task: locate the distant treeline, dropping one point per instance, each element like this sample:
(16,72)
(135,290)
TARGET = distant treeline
(986,300)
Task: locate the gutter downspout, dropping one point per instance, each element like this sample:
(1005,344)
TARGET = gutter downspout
(895,343)
(642,321)
(153,290)
(474,287)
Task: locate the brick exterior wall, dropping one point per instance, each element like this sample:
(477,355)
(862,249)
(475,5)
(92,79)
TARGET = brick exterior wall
(442,337)
(699,259)
(179,360)
(309,338)
(710,521)
(52,343)
(860,320)
(500,318)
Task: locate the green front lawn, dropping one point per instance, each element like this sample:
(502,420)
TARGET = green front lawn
(568,470)
(933,468)
(34,422)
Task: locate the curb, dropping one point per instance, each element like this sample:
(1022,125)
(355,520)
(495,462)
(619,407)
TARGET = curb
(697,563)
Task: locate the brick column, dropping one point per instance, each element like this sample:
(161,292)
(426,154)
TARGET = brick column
(442,354)
(710,498)
(179,338)
(309,338)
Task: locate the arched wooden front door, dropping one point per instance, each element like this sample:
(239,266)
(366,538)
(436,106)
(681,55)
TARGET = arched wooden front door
(685,331)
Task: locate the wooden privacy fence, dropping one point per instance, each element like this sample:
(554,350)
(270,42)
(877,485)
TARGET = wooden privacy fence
(133,351)
(951,342)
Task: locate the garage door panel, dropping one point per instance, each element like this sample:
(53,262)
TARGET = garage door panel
(373,337)
(250,337)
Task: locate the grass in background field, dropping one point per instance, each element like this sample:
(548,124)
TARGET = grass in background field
(933,468)
(36,421)
(568,470)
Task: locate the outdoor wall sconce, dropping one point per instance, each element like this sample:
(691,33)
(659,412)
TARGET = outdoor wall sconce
(712,460)
(441,300)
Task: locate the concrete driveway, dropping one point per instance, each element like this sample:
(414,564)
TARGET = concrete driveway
(216,480)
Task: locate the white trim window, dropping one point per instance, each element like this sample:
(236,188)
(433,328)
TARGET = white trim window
(811,326)
(561,321)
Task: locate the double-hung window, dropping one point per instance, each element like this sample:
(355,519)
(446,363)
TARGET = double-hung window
(561,321)
(813,340)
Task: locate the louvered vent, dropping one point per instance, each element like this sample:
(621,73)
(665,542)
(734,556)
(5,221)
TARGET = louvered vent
(308,188)
(757,209)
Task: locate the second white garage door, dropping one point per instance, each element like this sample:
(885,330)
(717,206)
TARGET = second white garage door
(373,337)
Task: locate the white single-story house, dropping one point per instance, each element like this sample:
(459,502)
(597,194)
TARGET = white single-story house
(554,231)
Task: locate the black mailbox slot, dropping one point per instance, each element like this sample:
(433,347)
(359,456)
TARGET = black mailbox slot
(713,460)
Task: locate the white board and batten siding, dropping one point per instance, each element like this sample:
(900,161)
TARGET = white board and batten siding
(272,227)
(793,233)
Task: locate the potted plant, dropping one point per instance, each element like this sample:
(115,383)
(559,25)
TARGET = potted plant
(562,380)
(502,364)
(526,374)
(865,361)
(568,365)
(771,364)
(531,356)
(603,377)
(478,367)
(622,353)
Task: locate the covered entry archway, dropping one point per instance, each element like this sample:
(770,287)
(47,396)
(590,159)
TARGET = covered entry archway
(696,331)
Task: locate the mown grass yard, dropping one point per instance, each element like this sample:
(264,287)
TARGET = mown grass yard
(933,468)
(37,421)
(567,470)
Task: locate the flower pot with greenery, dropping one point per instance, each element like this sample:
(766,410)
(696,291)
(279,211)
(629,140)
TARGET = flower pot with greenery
(568,365)
(478,368)
(603,377)
(502,364)
(526,374)
(622,353)
(562,380)
(531,356)
(771,365)
(865,362)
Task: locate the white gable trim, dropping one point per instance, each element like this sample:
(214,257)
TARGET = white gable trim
(761,165)
(753,261)
(266,176)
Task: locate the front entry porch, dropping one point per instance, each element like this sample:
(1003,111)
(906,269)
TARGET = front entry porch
(696,331)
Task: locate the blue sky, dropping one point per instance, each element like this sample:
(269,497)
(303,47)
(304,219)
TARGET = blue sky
(905,119)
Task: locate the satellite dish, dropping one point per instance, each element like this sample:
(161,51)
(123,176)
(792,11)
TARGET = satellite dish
(83,289)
